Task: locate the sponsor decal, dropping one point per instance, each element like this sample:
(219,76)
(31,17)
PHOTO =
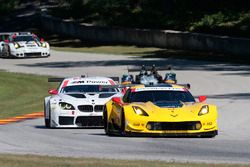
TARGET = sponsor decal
(95,82)
(89,82)
(157,89)
(77,82)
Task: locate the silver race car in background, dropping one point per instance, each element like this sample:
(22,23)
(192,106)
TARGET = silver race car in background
(78,102)
(149,76)
(23,44)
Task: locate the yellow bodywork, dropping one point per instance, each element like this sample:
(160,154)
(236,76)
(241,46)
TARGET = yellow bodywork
(189,112)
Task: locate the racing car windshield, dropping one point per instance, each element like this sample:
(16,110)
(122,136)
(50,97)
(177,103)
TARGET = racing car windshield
(25,38)
(86,89)
(161,96)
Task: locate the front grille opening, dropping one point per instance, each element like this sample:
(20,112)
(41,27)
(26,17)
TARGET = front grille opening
(99,108)
(86,108)
(66,120)
(33,54)
(192,125)
(89,121)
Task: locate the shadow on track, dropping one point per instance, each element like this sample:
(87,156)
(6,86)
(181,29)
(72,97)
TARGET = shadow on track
(43,127)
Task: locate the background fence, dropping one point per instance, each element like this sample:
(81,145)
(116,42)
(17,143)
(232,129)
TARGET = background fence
(156,38)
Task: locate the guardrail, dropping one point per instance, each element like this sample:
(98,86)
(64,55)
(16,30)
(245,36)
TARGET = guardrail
(145,37)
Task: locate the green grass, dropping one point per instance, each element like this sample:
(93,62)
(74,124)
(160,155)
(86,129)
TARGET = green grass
(21,93)
(116,50)
(45,161)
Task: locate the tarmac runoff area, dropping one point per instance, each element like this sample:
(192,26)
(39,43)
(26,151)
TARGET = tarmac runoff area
(226,85)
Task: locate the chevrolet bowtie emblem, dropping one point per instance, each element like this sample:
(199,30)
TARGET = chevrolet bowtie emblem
(174,115)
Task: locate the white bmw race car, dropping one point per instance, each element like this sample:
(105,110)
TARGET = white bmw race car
(24,44)
(78,102)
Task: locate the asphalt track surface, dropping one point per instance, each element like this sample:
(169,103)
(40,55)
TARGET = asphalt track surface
(226,85)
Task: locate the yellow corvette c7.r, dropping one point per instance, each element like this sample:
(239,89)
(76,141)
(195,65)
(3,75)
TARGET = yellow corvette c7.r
(168,110)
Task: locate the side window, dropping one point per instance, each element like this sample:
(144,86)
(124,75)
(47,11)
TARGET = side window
(125,98)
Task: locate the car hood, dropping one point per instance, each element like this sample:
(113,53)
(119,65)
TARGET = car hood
(85,98)
(183,111)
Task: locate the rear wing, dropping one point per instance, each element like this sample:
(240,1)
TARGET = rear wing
(21,33)
(120,86)
(6,33)
(117,79)
(55,79)
(148,68)
(187,86)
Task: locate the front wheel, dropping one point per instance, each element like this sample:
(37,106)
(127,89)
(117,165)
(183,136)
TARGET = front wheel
(105,121)
(46,120)
(122,127)
(7,52)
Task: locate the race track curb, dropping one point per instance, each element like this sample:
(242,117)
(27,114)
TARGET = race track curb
(21,118)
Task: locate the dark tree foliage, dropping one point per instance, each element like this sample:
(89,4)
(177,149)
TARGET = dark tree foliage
(6,6)
(223,17)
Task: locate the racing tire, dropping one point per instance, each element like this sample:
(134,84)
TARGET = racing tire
(210,134)
(105,122)
(46,121)
(122,127)
(137,79)
(8,55)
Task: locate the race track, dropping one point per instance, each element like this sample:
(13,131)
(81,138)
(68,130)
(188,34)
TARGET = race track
(226,85)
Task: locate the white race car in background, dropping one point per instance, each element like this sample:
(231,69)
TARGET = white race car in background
(24,44)
(3,38)
(78,102)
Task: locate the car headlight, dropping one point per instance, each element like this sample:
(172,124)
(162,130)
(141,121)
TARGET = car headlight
(16,45)
(44,45)
(204,110)
(139,111)
(66,106)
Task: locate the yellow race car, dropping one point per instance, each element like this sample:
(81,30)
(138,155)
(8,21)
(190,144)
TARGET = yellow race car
(166,110)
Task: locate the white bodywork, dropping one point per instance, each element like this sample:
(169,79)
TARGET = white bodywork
(90,116)
(24,45)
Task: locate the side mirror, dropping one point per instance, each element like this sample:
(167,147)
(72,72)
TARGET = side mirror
(53,92)
(116,100)
(202,98)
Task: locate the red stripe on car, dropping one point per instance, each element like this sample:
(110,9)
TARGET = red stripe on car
(112,82)
(65,83)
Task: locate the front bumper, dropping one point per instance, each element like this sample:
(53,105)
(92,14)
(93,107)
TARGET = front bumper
(80,121)
(20,53)
(169,134)
(75,118)
(183,128)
